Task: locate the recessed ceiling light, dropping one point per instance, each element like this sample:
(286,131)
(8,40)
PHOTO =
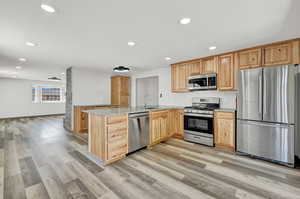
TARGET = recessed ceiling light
(212,48)
(48,8)
(168,58)
(131,43)
(62,73)
(28,43)
(18,67)
(22,59)
(185,21)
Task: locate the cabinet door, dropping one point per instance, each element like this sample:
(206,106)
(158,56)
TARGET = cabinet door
(278,54)
(179,117)
(84,117)
(195,68)
(179,77)
(115,90)
(172,123)
(164,126)
(226,72)
(125,86)
(225,130)
(155,130)
(249,59)
(209,65)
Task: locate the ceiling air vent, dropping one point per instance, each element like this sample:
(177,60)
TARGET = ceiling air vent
(121,69)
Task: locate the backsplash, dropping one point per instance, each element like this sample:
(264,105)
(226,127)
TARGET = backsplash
(228,98)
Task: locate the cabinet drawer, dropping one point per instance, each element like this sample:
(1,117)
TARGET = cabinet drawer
(225,115)
(117,119)
(117,127)
(117,135)
(157,114)
(117,149)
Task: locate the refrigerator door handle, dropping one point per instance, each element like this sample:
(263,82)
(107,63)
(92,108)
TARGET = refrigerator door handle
(265,98)
(260,95)
(266,124)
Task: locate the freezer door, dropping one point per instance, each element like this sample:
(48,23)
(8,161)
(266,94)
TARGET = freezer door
(266,140)
(279,94)
(249,101)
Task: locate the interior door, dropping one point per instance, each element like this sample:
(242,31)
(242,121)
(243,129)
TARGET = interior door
(266,140)
(279,94)
(250,95)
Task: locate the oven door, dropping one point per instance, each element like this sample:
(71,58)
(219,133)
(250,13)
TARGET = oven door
(198,124)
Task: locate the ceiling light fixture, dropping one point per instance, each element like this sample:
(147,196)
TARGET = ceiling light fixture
(168,58)
(54,78)
(18,67)
(62,73)
(185,21)
(121,69)
(131,43)
(28,43)
(48,8)
(22,59)
(212,48)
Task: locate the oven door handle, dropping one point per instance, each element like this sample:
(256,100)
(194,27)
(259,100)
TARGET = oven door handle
(198,115)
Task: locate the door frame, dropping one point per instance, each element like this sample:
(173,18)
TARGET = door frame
(136,87)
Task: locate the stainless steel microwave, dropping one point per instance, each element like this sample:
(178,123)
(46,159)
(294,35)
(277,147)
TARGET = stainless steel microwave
(203,82)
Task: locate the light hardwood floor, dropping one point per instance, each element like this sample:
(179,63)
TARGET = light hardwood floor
(39,159)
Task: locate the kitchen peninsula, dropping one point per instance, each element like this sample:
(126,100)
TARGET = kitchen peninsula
(109,134)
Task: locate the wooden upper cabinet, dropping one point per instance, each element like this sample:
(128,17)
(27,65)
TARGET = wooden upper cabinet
(224,130)
(180,73)
(120,90)
(195,68)
(226,72)
(249,59)
(209,65)
(278,54)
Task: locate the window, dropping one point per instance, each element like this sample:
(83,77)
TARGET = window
(51,95)
(34,97)
(48,94)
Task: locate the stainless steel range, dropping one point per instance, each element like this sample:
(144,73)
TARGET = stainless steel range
(199,120)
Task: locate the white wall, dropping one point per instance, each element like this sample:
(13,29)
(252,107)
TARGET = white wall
(228,99)
(90,87)
(15,99)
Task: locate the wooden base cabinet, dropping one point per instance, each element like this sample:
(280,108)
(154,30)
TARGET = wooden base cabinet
(176,123)
(224,130)
(81,118)
(165,124)
(158,126)
(108,137)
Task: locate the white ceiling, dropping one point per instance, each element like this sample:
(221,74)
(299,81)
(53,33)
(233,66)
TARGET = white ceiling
(94,33)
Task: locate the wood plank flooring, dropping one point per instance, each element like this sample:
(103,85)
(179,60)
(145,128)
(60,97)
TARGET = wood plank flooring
(40,160)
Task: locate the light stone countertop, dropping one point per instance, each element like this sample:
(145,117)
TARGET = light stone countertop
(94,105)
(225,110)
(120,111)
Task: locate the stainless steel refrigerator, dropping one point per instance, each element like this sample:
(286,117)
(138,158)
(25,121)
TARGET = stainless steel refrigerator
(267,113)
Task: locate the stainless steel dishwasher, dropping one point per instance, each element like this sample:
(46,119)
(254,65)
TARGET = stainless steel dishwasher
(138,132)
